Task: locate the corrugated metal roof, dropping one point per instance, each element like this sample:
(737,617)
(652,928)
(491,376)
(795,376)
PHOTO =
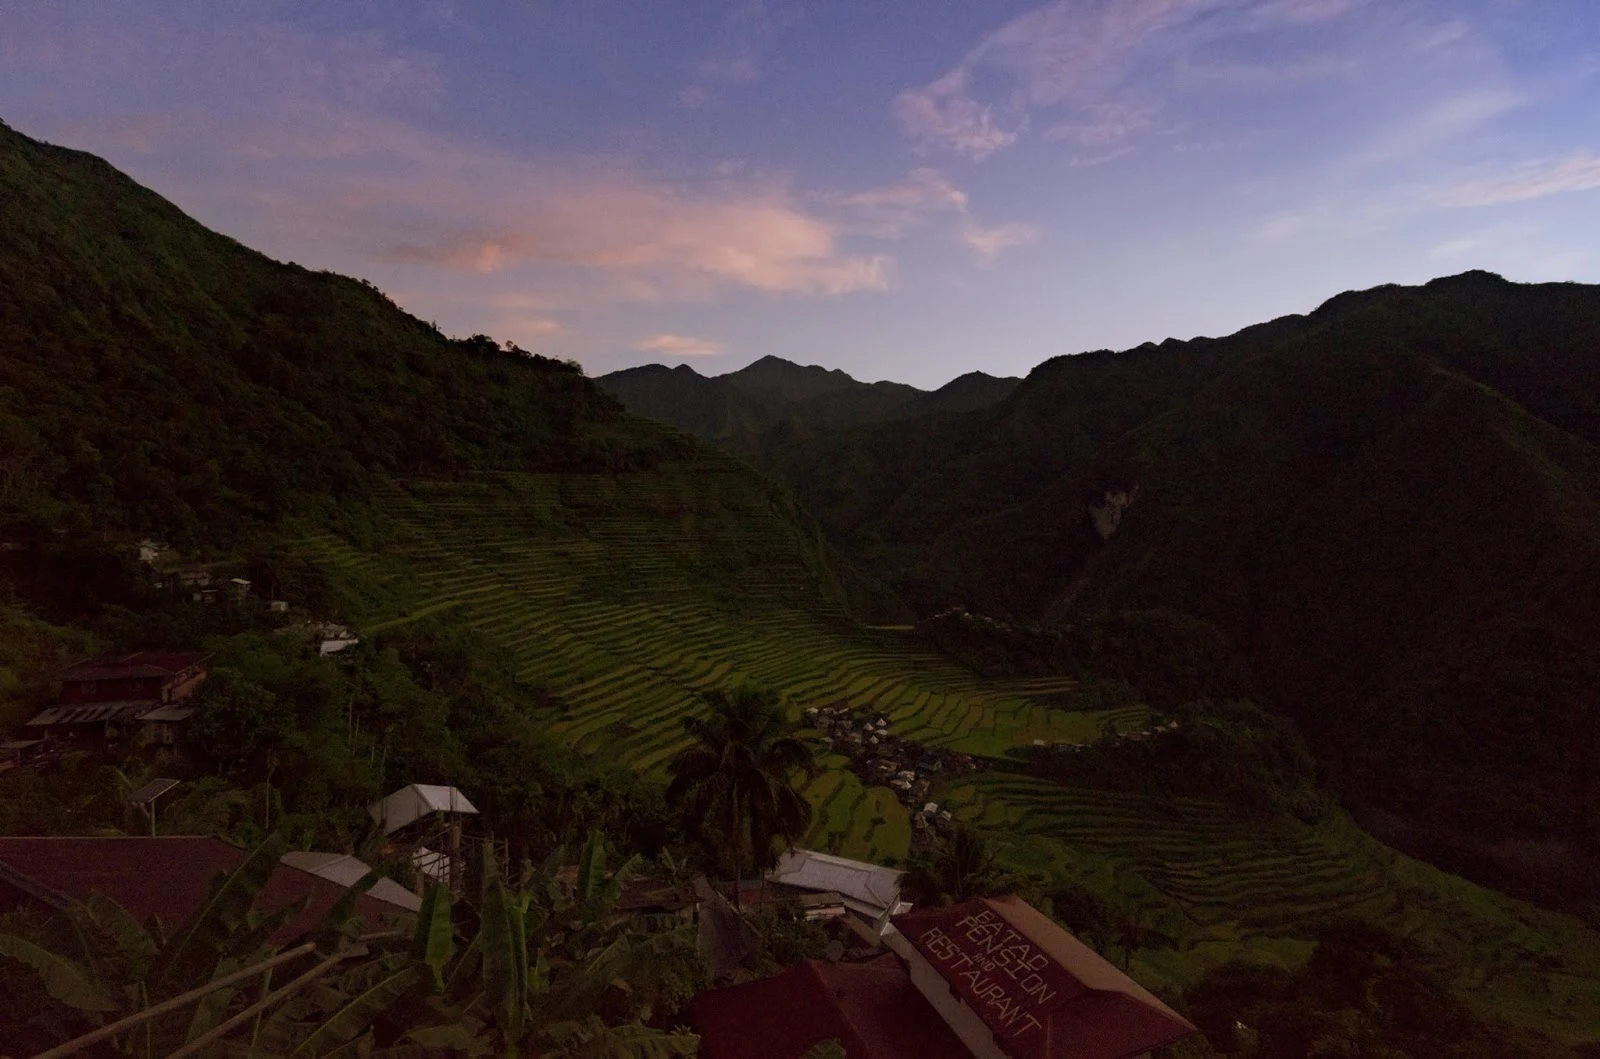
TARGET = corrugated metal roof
(435,866)
(169,877)
(168,713)
(89,712)
(346,870)
(1079,1006)
(410,804)
(870,885)
(136,664)
(872,1009)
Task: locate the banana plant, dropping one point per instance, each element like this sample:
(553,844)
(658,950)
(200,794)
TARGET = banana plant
(530,981)
(112,966)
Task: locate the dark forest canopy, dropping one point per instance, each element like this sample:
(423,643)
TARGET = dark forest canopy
(1390,508)
(158,377)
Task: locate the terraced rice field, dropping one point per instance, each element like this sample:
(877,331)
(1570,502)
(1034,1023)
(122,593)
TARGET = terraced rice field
(1217,868)
(1223,886)
(628,595)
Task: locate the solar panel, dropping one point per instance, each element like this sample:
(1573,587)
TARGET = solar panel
(151,791)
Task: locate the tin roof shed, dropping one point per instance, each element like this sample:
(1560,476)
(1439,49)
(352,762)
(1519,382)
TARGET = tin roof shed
(411,803)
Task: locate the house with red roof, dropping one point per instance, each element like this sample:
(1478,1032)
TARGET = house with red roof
(168,878)
(103,699)
(991,979)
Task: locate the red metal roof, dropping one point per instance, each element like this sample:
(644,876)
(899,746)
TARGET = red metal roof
(1042,992)
(871,1008)
(166,877)
(137,664)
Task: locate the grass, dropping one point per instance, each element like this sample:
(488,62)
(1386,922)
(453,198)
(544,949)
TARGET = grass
(628,595)
(1229,887)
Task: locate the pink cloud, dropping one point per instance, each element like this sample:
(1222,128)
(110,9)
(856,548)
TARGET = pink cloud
(989,242)
(679,346)
(1579,172)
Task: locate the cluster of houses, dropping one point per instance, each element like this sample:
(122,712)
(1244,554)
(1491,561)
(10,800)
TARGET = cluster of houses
(880,757)
(1115,737)
(141,695)
(991,978)
(198,582)
(138,698)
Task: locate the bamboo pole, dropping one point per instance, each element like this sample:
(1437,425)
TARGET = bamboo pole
(219,1032)
(77,1044)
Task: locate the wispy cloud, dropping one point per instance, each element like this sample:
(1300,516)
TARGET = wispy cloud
(1442,118)
(1095,58)
(679,346)
(686,241)
(1106,124)
(944,115)
(896,210)
(989,242)
(1537,180)
(741,53)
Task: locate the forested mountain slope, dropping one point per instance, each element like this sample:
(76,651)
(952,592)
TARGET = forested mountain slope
(1390,507)
(158,377)
(544,586)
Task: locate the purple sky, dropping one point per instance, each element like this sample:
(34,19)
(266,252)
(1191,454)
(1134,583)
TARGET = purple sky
(905,191)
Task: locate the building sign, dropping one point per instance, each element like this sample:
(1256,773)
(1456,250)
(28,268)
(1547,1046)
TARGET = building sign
(1010,982)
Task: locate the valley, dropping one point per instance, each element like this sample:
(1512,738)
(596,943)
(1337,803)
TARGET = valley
(1380,523)
(625,595)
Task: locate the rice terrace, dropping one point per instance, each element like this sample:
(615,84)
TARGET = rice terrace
(627,595)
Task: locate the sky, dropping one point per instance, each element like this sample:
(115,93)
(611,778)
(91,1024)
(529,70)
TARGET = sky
(903,190)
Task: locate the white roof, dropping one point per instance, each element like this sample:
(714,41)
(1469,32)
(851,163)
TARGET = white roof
(410,804)
(435,866)
(346,871)
(868,888)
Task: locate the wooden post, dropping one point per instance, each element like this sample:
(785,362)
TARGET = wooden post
(457,876)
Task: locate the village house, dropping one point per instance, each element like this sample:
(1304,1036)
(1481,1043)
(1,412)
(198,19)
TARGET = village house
(870,891)
(332,638)
(421,814)
(105,699)
(987,979)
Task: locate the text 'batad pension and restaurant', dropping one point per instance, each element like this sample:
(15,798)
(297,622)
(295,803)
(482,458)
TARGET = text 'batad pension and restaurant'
(992,978)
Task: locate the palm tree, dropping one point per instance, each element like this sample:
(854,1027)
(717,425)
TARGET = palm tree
(959,867)
(737,780)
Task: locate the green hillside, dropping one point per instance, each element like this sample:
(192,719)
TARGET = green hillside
(156,376)
(1390,508)
(160,379)
(624,595)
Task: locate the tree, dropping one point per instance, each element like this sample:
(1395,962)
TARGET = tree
(959,867)
(237,722)
(738,779)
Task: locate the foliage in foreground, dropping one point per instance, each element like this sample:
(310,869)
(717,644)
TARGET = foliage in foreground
(538,965)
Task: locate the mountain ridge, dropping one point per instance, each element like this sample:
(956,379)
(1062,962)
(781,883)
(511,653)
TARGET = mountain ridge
(1390,506)
(736,407)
